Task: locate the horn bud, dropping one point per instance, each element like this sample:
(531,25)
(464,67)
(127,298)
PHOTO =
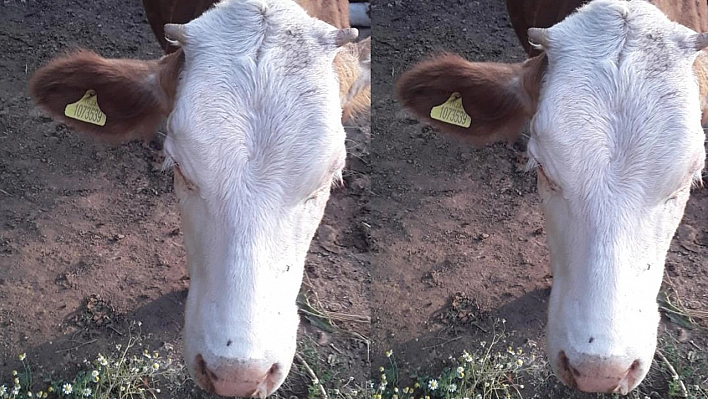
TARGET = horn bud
(176,34)
(344,36)
(538,38)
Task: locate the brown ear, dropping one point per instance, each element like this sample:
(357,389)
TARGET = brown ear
(353,67)
(499,98)
(134,95)
(700,69)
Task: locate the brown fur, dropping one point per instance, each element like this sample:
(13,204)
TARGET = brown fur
(498,107)
(161,12)
(525,14)
(352,64)
(334,12)
(133,107)
(700,69)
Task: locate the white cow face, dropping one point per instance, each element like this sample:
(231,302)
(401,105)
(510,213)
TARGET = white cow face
(257,140)
(616,134)
(618,141)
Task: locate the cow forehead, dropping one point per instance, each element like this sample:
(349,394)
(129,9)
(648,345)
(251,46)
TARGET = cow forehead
(619,104)
(236,138)
(259,28)
(257,107)
(607,28)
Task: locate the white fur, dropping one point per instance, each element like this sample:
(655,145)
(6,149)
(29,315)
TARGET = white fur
(256,131)
(618,134)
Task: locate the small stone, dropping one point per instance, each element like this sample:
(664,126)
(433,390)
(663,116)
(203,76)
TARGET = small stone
(327,237)
(322,338)
(683,335)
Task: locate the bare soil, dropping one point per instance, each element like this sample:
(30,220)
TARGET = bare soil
(89,234)
(452,221)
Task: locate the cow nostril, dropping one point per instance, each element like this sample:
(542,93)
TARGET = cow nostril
(629,379)
(567,372)
(563,360)
(205,377)
(273,369)
(597,374)
(575,371)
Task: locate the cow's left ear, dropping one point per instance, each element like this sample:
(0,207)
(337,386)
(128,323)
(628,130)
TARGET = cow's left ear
(114,100)
(353,67)
(481,102)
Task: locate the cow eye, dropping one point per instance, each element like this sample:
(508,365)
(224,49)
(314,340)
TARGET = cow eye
(317,194)
(179,175)
(675,195)
(542,175)
(313,197)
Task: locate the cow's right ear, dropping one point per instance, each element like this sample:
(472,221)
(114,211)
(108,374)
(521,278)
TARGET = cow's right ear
(114,100)
(497,99)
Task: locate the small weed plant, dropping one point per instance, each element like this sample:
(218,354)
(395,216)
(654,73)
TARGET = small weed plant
(125,374)
(490,372)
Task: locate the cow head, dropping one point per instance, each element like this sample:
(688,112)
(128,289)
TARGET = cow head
(253,101)
(616,140)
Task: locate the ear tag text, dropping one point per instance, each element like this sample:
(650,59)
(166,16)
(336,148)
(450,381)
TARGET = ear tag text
(86,110)
(452,112)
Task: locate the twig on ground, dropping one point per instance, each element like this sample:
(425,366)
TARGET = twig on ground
(115,330)
(443,343)
(674,374)
(312,374)
(77,346)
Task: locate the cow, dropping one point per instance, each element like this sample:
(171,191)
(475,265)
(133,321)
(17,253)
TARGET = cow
(616,98)
(334,12)
(253,100)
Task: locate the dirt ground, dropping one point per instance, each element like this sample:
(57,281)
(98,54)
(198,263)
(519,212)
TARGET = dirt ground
(89,234)
(448,218)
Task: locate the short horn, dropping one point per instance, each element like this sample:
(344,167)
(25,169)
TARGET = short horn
(175,33)
(538,37)
(344,36)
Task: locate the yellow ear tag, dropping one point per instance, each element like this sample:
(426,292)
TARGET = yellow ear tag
(452,112)
(86,110)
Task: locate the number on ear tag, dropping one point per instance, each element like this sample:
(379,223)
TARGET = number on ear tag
(86,110)
(452,112)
